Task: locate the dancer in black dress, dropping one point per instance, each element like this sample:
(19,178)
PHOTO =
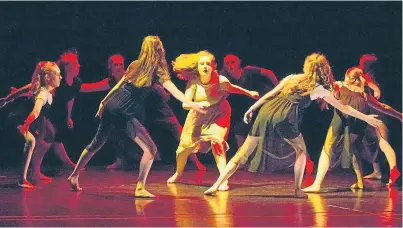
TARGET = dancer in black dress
(125,104)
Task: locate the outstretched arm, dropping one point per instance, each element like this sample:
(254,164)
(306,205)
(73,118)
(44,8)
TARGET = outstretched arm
(370,119)
(117,86)
(269,95)
(248,114)
(15,93)
(231,88)
(181,97)
(102,85)
(384,108)
(23,91)
(101,105)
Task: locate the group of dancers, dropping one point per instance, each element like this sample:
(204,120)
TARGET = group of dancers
(268,134)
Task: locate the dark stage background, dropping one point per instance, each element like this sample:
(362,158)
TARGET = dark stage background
(274,35)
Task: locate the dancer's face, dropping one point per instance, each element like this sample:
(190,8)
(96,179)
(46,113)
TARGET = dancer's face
(72,65)
(206,65)
(232,64)
(117,67)
(54,78)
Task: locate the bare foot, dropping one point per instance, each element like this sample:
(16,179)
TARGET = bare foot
(25,184)
(394,175)
(224,187)
(174,178)
(74,183)
(211,191)
(357,186)
(116,165)
(300,194)
(374,175)
(312,188)
(143,193)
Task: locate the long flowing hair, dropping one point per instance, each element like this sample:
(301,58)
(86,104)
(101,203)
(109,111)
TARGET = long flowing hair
(151,58)
(185,65)
(316,71)
(42,69)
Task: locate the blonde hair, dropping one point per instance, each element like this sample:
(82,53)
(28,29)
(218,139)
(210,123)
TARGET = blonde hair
(151,58)
(354,76)
(185,65)
(42,69)
(316,71)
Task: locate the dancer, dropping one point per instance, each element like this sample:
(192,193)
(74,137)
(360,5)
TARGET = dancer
(60,114)
(249,77)
(159,114)
(363,139)
(263,81)
(366,65)
(280,116)
(204,131)
(121,107)
(45,78)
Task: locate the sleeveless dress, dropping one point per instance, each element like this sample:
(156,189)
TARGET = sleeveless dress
(200,131)
(350,135)
(278,119)
(41,127)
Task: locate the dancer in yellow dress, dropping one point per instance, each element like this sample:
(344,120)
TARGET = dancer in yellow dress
(204,131)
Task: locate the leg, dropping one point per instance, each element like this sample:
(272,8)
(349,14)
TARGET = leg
(240,157)
(240,139)
(376,174)
(391,157)
(182,155)
(323,167)
(390,154)
(99,140)
(39,152)
(300,150)
(173,126)
(61,153)
(121,146)
(118,164)
(28,150)
(358,172)
(143,139)
(333,135)
(221,161)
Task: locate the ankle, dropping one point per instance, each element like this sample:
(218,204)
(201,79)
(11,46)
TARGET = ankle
(140,186)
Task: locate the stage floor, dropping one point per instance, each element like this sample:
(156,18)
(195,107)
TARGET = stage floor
(254,200)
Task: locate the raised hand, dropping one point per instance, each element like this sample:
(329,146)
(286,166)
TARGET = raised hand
(100,110)
(199,106)
(254,95)
(373,121)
